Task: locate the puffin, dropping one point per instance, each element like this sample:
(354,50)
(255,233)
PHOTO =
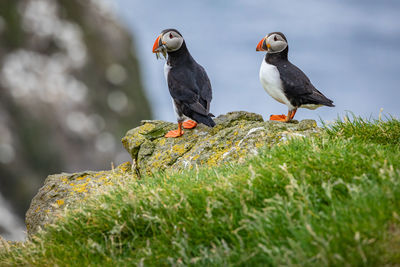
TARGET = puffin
(188,83)
(285,82)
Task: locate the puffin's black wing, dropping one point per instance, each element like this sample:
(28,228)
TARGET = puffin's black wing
(187,94)
(298,87)
(204,84)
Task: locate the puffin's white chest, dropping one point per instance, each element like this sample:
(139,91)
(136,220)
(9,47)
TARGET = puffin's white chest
(166,71)
(271,81)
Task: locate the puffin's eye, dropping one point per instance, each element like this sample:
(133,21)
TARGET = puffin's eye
(275,38)
(171,36)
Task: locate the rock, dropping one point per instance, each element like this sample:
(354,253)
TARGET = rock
(62,190)
(236,136)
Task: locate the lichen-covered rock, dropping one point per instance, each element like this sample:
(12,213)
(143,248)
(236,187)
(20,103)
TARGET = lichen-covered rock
(61,190)
(236,136)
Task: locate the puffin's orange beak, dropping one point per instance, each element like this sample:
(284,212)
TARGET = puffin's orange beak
(157,44)
(262,46)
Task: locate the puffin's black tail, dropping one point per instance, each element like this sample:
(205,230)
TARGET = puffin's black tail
(320,99)
(327,102)
(203,119)
(324,101)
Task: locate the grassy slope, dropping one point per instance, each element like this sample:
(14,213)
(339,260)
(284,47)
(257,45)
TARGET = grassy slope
(328,201)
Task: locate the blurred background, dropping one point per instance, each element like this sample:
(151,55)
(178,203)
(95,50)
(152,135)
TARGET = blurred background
(76,75)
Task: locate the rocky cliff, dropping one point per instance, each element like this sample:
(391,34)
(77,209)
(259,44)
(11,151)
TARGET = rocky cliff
(237,135)
(70,87)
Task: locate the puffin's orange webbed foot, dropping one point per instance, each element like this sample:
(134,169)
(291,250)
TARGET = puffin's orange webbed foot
(174,133)
(278,118)
(189,124)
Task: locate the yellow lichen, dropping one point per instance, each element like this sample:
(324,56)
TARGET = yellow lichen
(217,156)
(124,167)
(259,144)
(109,183)
(146,128)
(179,149)
(80,188)
(81,178)
(162,141)
(60,202)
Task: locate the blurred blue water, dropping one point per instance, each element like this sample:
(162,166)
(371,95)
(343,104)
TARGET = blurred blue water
(349,49)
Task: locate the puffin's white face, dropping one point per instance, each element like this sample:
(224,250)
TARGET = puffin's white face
(172,41)
(272,43)
(275,43)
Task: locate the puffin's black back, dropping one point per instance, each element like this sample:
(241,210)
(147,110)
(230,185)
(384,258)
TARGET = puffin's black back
(189,86)
(296,85)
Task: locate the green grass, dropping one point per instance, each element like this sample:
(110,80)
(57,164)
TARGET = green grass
(334,200)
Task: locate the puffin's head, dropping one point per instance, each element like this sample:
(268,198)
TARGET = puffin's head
(274,42)
(169,39)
